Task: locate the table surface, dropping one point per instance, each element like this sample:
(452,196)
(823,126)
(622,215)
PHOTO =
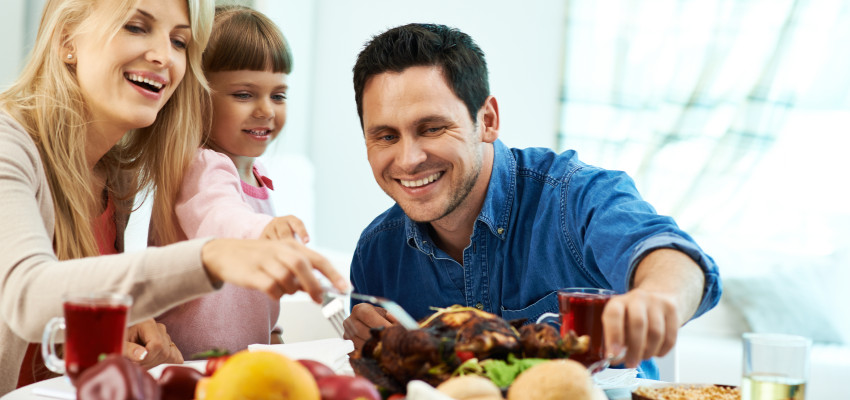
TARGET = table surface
(61,388)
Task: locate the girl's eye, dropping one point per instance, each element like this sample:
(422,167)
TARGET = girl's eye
(242,96)
(279,97)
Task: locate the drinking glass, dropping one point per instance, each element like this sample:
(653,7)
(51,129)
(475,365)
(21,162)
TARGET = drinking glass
(580,311)
(95,325)
(776,366)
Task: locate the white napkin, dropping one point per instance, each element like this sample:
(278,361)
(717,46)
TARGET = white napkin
(615,378)
(331,352)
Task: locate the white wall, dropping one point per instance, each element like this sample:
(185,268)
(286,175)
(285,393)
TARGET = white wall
(522,41)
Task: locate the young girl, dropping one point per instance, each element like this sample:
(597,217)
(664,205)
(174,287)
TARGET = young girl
(225,191)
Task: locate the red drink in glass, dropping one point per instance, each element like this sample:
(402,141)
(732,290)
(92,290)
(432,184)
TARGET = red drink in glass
(93,329)
(581,312)
(94,325)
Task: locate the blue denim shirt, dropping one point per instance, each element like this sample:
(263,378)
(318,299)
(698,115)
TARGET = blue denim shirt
(548,221)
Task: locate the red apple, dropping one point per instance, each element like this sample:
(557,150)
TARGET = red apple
(344,387)
(178,383)
(317,369)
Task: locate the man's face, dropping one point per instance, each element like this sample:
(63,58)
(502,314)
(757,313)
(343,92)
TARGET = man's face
(424,149)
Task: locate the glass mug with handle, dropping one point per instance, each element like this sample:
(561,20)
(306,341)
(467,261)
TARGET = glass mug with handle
(580,311)
(95,324)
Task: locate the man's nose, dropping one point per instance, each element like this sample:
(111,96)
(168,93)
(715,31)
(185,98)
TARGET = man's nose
(411,154)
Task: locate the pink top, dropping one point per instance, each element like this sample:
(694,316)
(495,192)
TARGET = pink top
(214,201)
(104,229)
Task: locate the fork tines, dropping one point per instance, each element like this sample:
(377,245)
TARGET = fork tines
(334,312)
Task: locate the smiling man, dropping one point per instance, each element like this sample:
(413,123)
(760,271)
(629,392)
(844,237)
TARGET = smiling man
(482,225)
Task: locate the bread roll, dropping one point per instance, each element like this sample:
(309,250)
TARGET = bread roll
(554,380)
(470,387)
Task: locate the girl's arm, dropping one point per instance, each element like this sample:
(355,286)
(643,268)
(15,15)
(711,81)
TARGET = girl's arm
(210,202)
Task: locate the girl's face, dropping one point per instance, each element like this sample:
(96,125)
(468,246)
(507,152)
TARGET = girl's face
(127,79)
(249,110)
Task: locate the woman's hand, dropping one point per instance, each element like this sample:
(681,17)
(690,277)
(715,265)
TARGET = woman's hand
(150,345)
(274,267)
(286,228)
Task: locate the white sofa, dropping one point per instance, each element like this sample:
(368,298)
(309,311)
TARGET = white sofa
(709,350)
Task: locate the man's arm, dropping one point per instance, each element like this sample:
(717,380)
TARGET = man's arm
(666,292)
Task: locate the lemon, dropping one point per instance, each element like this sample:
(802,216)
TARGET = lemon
(261,375)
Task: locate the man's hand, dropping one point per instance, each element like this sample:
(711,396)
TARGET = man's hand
(150,345)
(363,318)
(668,287)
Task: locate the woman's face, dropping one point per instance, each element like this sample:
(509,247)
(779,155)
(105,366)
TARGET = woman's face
(125,80)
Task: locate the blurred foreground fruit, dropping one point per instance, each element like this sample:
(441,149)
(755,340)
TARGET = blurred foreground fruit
(261,375)
(178,383)
(116,378)
(317,369)
(213,363)
(344,387)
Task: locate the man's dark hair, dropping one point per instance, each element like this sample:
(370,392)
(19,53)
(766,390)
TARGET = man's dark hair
(461,60)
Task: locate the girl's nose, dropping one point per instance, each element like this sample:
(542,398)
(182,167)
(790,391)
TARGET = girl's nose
(264,110)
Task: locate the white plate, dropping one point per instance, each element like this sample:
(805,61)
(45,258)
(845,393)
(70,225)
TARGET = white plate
(199,365)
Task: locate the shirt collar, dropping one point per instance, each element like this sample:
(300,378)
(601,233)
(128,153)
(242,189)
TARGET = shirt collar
(496,210)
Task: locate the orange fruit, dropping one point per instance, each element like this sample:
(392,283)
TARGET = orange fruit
(261,375)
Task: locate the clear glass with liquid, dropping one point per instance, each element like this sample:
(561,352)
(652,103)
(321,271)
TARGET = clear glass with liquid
(776,367)
(772,387)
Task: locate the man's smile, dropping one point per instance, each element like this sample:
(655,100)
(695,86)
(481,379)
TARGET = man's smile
(421,182)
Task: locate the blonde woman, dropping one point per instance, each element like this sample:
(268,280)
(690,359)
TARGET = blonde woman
(109,103)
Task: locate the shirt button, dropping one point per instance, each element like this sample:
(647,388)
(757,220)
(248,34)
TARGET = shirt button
(479,306)
(500,230)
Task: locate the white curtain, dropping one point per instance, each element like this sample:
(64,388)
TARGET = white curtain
(690,97)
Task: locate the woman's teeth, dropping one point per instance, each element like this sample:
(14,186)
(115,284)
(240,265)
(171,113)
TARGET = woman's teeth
(420,182)
(151,84)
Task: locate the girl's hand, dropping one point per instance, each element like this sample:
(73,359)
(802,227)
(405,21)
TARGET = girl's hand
(286,228)
(150,345)
(274,267)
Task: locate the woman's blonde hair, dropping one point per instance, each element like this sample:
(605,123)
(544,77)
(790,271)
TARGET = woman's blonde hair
(46,99)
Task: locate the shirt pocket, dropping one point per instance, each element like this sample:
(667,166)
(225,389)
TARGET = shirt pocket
(548,303)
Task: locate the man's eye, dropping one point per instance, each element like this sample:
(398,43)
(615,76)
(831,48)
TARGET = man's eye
(435,129)
(387,138)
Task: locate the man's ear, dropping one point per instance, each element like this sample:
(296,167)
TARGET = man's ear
(488,118)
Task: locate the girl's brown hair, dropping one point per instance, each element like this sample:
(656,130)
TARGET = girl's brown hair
(245,39)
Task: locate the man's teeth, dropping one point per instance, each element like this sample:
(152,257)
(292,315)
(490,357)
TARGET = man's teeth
(420,182)
(136,78)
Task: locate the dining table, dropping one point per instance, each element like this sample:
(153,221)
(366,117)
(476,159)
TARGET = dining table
(60,388)
(616,384)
